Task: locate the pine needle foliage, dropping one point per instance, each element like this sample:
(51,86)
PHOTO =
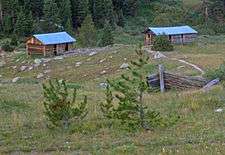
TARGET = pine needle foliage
(162,43)
(126,102)
(61,108)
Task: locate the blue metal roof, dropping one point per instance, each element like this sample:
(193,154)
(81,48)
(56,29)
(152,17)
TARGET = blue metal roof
(173,30)
(55,38)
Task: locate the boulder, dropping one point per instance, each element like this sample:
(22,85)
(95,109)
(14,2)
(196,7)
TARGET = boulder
(59,58)
(47,71)
(2,63)
(15,79)
(93,53)
(219,110)
(103,60)
(124,66)
(159,55)
(103,85)
(30,68)
(78,64)
(37,61)
(23,68)
(103,72)
(40,75)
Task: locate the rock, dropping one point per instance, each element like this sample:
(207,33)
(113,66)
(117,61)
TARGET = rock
(40,75)
(30,68)
(103,85)
(111,57)
(125,59)
(44,65)
(23,68)
(15,79)
(37,61)
(159,55)
(78,64)
(219,110)
(180,67)
(93,53)
(46,60)
(103,72)
(211,84)
(14,67)
(59,58)
(37,65)
(124,66)
(2,63)
(47,71)
(103,60)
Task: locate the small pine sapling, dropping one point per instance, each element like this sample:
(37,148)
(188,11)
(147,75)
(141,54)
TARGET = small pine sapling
(60,107)
(130,90)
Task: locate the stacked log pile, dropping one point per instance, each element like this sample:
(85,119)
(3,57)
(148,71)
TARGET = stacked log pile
(174,81)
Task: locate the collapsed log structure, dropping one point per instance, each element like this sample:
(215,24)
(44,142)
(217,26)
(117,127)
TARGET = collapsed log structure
(166,80)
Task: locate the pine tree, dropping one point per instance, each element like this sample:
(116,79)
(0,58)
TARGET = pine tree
(87,33)
(80,9)
(129,92)
(102,12)
(24,24)
(51,18)
(65,12)
(130,7)
(59,109)
(162,43)
(120,21)
(107,36)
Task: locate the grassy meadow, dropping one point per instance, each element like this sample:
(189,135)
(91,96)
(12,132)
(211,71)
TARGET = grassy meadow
(200,130)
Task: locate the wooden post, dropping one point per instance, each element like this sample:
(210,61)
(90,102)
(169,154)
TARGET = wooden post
(44,51)
(161,77)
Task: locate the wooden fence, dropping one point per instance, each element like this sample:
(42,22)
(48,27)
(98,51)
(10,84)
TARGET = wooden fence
(166,80)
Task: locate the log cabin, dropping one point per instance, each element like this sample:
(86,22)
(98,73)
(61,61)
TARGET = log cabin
(49,44)
(176,35)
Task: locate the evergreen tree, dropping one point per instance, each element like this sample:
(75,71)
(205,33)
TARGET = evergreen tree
(35,6)
(129,91)
(51,18)
(65,12)
(59,108)
(107,36)
(162,43)
(120,21)
(7,24)
(80,9)
(102,12)
(87,33)
(24,24)
(130,7)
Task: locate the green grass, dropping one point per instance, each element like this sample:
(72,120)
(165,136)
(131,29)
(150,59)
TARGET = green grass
(200,130)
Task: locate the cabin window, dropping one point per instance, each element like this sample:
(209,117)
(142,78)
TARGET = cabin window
(149,35)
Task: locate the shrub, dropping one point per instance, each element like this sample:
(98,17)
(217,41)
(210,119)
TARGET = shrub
(59,109)
(162,43)
(216,73)
(7,47)
(14,41)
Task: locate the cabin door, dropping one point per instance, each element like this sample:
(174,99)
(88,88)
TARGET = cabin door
(67,47)
(55,49)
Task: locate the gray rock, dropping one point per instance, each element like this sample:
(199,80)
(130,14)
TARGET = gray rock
(44,65)
(103,72)
(40,75)
(2,63)
(59,58)
(159,55)
(103,60)
(47,71)
(14,67)
(37,61)
(78,64)
(30,68)
(23,68)
(0,76)
(16,79)
(93,53)
(219,110)
(124,66)
(103,85)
